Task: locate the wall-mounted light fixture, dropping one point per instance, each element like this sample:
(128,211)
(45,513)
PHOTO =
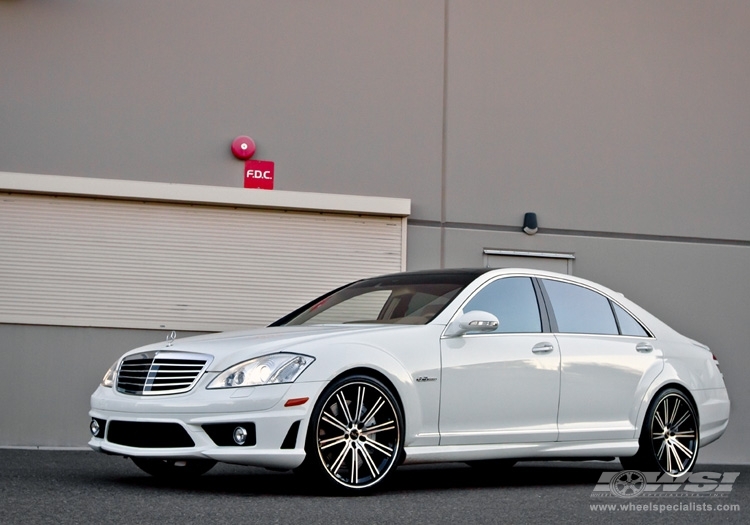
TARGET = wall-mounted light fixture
(530,225)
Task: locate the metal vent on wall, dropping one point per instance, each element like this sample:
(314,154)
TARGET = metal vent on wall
(551,261)
(76,261)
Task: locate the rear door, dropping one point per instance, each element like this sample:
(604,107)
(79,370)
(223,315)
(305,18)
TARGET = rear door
(607,359)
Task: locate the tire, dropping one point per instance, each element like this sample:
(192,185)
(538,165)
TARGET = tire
(669,437)
(354,440)
(174,468)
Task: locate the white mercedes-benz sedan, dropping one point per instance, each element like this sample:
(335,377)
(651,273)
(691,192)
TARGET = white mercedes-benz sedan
(480,366)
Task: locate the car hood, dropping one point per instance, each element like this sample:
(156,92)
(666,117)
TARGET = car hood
(229,348)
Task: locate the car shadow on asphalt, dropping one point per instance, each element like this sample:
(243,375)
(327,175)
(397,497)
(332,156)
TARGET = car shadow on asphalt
(249,481)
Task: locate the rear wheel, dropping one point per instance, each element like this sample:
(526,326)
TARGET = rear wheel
(354,439)
(174,468)
(669,438)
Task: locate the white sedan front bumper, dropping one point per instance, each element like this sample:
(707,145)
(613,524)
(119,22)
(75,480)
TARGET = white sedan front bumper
(200,423)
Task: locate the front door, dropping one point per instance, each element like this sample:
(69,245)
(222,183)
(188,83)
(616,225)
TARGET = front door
(501,387)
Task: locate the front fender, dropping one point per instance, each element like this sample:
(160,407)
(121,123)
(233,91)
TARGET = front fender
(419,401)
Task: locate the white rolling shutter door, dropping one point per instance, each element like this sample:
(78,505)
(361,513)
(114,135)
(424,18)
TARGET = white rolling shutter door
(115,263)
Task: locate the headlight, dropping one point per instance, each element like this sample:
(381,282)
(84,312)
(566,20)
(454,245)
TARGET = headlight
(111,376)
(266,370)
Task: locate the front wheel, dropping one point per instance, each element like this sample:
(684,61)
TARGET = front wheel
(355,435)
(669,438)
(174,468)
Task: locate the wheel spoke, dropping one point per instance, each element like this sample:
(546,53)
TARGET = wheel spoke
(658,419)
(682,420)
(685,434)
(676,444)
(344,406)
(669,456)
(674,452)
(355,467)
(388,451)
(360,402)
(331,420)
(370,463)
(661,449)
(374,410)
(674,411)
(327,443)
(339,460)
(388,425)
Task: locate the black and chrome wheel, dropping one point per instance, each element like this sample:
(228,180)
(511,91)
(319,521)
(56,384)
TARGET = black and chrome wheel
(174,468)
(354,441)
(669,439)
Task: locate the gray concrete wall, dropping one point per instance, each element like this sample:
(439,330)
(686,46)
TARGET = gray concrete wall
(48,374)
(624,125)
(601,116)
(345,97)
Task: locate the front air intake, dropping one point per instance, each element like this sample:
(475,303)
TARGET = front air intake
(148,435)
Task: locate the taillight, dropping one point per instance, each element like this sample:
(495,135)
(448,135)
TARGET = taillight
(716,362)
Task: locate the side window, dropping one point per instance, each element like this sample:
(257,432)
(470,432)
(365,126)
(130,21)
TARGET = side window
(579,310)
(513,301)
(628,325)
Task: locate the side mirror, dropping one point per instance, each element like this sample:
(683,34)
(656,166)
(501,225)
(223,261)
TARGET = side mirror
(474,321)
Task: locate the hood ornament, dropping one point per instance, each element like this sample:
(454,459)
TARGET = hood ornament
(170,338)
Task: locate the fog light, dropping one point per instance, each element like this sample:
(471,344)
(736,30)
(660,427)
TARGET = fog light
(240,435)
(94,427)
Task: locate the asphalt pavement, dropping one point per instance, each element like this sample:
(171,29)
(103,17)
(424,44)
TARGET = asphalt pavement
(44,486)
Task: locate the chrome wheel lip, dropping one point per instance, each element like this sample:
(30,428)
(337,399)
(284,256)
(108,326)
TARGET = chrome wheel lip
(674,434)
(358,432)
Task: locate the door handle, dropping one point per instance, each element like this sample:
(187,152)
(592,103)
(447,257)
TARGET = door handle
(644,348)
(542,348)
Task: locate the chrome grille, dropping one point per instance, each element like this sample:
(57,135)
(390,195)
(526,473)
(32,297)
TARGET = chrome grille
(160,372)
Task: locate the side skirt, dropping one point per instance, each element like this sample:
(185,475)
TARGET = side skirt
(552,450)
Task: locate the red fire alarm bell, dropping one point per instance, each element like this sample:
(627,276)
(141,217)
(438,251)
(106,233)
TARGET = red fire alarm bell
(243,147)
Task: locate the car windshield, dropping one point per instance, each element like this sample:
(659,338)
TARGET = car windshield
(397,299)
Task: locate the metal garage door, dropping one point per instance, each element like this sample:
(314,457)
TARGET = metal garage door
(116,263)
